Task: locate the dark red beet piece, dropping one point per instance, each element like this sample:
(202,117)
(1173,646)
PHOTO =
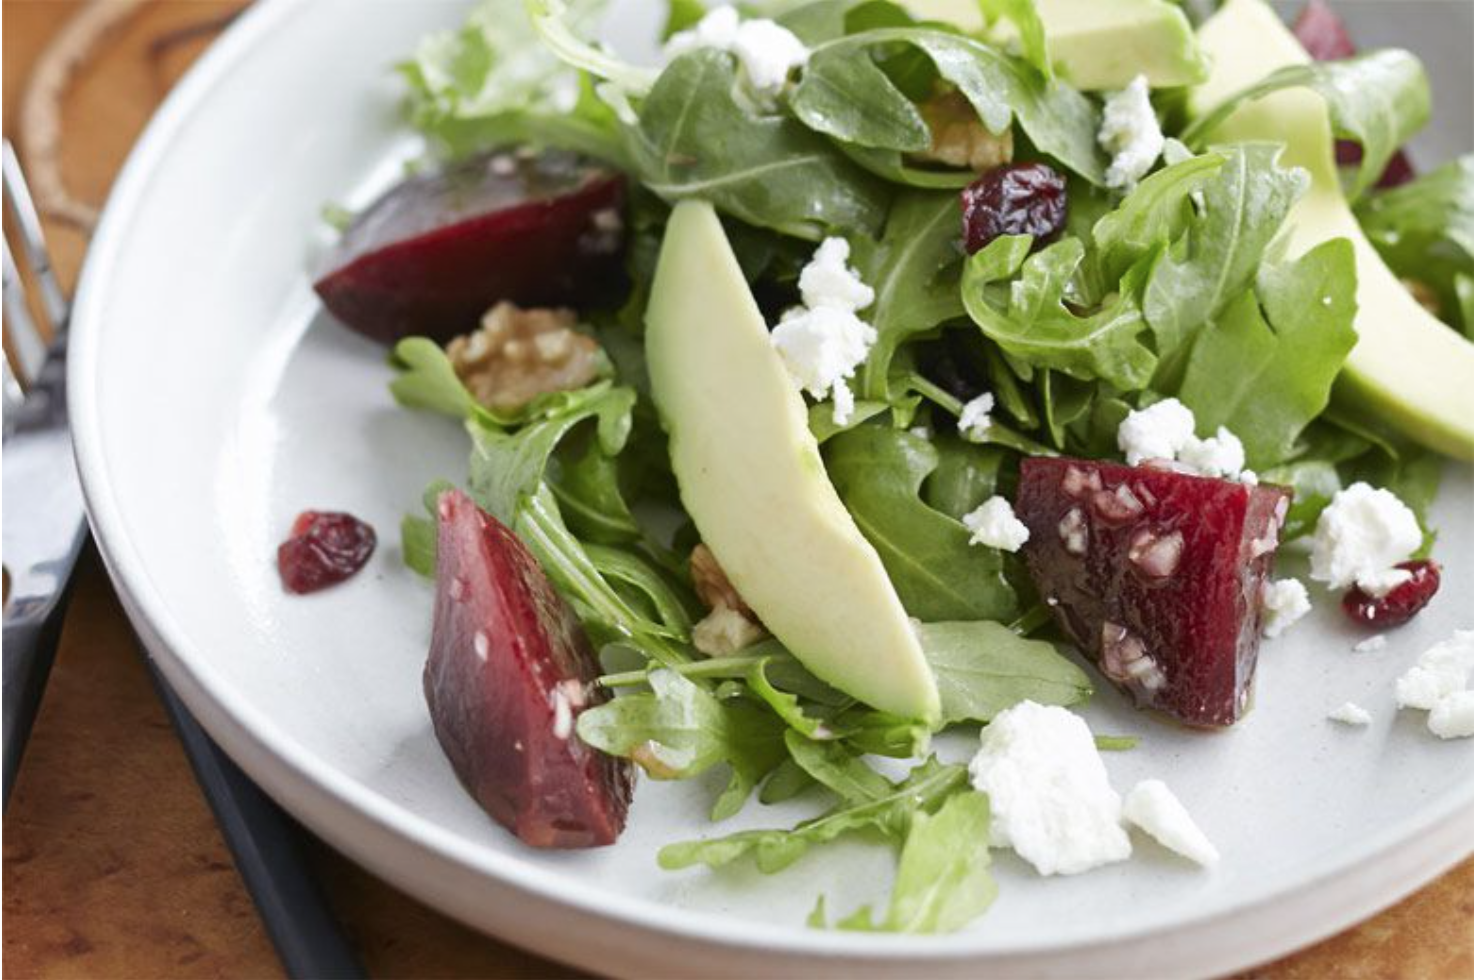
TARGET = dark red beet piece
(438,250)
(510,670)
(325,548)
(1399,605)
(1015,199)
(1156,575)
(1323,34)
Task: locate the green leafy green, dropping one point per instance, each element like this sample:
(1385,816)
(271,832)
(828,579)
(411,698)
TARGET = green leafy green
(843,98)
(984,667)
(879,472)
(417,542)
(695,138)
(1024,16)
(1030,322)
(966,475)
(679,730)
(1156,213)
(1379,100)
(837,769)
(550,18)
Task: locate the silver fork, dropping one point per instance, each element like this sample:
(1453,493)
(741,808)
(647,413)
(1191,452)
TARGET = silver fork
(44,530)
(44,525)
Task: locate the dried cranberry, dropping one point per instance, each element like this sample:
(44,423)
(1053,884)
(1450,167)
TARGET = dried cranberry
(1016,199)
(1399,605)
(325,548)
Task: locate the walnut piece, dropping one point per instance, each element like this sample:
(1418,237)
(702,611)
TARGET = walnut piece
(519,354)
(712,585)
(731,624)
(958,136)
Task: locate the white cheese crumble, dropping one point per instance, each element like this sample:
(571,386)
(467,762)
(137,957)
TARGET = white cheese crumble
(975,420)
(562,715)
(1130,133)
(1159,431)
(823,342)
(1351,713)
(1052,801)
(1360,535)
(767,51)
(1453,716)
(1442,670)
(1371,644)
(1285,603)
(1155,809)
(994,524)
(724,631)
(1221,455)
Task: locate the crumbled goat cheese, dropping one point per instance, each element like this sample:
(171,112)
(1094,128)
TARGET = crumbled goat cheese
(1221,455)
(828,280)
(823,342)
(1360,536)
(1351,713)
(1371,644)
(975,420)
(1248,477)
(994,524)
(767,51)
(1285,603)
(1442,670)
(1155,809)
(724,631)
(1130,133)
(1160,431)
(562,715)
(1052,801)
(1453,716)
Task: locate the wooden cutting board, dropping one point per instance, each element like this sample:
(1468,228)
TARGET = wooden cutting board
(113,866)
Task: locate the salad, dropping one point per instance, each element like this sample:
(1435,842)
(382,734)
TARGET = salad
(857,369)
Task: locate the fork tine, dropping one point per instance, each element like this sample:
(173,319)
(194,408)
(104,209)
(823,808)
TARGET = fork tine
(33,240)
(25,339)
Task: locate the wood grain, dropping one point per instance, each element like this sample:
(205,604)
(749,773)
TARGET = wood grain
(113,866)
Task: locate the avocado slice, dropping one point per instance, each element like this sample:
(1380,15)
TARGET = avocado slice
(752,479)
(1407,369)
(1099,44)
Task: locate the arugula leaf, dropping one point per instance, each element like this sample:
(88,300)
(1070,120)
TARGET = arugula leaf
(865,108)
(678,730)
(670,609)
(1379,100)
(426,380)
(418,543)
(837,769)
(1024,16)
(588,492)
(1243,207)
(1033,327)
(786,705)
(913,270)
(773,850)
(695,139)
(878,472)
(1266,379)
(823,426)
(966,475)
(550,20)
(944,879)
(1155,213)
(1425,231)
(983,668)
(784,783)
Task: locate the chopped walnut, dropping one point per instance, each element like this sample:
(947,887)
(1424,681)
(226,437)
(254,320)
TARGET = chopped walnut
(731,624)
(519,354)
(1424,294)
(958,136)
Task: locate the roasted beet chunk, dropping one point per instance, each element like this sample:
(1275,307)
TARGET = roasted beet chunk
(325,548)
(1015,199)
(1399,605)
(1156,575)
(438,250)
(510,670)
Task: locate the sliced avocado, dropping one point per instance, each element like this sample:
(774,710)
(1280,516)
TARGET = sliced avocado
(1407,368)
(752,479)
(1099,44)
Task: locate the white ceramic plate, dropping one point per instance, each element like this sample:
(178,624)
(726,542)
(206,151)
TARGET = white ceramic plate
(212,402)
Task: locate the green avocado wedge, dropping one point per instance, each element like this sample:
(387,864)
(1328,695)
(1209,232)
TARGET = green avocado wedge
(1407,369)
(751,477)
(1098,44)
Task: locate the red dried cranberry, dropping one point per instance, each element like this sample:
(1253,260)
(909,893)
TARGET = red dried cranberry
(1016,199)
(1397,606)
(325,548)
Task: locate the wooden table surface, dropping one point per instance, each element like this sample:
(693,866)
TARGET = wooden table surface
(113,866)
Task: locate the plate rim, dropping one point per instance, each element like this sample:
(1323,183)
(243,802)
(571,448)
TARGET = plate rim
(1423,846)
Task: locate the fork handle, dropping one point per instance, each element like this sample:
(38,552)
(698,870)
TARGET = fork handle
(29,651)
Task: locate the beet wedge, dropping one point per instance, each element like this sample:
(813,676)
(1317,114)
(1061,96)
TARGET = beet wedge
(1156,575)
(510,670)
(440,249)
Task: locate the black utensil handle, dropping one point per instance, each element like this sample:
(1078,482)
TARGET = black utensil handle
(29,651)
(267,847)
